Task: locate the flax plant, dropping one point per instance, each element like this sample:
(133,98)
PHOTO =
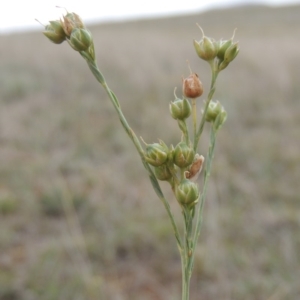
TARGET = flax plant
(179,165)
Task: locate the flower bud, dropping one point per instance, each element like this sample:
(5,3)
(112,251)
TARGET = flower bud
(180,109)
(192,86)
(187,193)
(80,39)
(71,21)
(162,172)
(156,154)
(183,155)
(55,32)
(206,49)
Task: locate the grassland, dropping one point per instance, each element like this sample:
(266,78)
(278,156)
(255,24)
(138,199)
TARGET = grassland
(78,216)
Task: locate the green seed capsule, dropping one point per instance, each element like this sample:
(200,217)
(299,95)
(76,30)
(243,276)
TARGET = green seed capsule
(80,39)
(231,52)
(214,108)
(216,114)
(156,154)
(54,32)
(224,45)
(206,48)
(183,155)
(162,173)
(187,193)
(180,109)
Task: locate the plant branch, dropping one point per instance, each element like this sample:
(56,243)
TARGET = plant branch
(98,75)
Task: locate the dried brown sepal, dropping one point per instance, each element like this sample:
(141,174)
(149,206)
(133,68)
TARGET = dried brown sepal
(71,21)
(192,86)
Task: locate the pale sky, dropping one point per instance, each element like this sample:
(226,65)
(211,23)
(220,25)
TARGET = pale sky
(18,15)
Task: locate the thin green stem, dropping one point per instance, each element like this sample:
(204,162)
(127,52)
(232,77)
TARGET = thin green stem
(188,252)
(183,127)
(183,271)
(186,286)
(203,195)
(184,259)
(187,245)
(194,114)
(214,75)
(98,75)
(206,179)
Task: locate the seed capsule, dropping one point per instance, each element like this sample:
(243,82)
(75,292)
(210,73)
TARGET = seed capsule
(71,21)
(206,49)
(183,155)
(231,52)
(216,114)
(214,108)
(180,109)
(162,173)
(80,39)
(156,154)
(55,32)
(195,168)
(192,86)
(224,45)
(187,193)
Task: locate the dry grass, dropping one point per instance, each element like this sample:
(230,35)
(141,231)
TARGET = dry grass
(60,136)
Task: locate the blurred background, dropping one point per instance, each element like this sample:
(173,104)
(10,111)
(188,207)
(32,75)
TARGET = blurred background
(78,216)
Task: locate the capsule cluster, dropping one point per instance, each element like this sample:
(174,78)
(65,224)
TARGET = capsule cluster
(222,52)
(182,159)
(72,29)
(179,165)
(169,163)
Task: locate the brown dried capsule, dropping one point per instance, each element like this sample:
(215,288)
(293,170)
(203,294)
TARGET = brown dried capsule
(195,168)
(192,86)
(71,21)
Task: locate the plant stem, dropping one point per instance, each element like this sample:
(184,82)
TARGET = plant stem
(183,127)
(187,255)
(186,245)
(214,75)
(194,113)
(203,195)
(206,178)
(98,75)
(189,261)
